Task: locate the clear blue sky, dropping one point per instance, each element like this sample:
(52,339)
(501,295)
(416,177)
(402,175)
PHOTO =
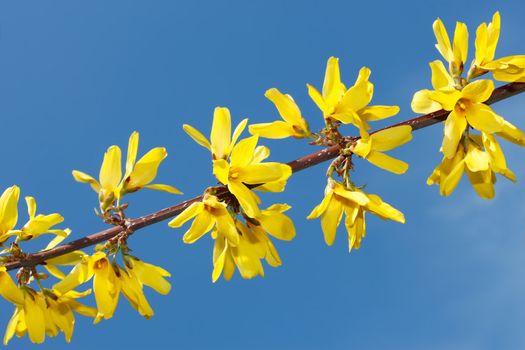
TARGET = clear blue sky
(76,77)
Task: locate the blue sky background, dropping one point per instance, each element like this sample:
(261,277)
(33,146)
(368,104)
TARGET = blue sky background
(76,77)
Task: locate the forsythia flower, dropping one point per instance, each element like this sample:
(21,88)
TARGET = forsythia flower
(208,214)
(510,68)
(41,313)
(467,108)
(35,226)
(354,204)
(246,168)
(109,280)
(112,186)
(371,147)
(293,125)
(349,106)
(480,166)
(221,141)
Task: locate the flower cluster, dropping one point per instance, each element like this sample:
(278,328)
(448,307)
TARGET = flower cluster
(469,141)
(239,227)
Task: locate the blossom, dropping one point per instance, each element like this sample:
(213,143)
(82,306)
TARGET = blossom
(349,106)
(112,186)
(481,160)
(38,313)
(372,146)
(221,140)
(467,108)
(208,213)
(509,68)
(109,280)
(245,167)
(354,203)
(293,124)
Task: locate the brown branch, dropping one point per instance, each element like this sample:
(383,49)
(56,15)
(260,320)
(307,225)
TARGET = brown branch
(310,160)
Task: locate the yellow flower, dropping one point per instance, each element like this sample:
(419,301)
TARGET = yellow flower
(106,284)
(208,214)
(455,54)
(467,108)
(349,106)
(221,141)
(371,148)
(293,125)
(135,276)
(510,68)
(354,204)
(482,160)
(109,280)
(46,313)
(112,186)
(246,168)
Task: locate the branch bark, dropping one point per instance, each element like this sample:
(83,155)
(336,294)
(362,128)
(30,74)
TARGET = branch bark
(299,164)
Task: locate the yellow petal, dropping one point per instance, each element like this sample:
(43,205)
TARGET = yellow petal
(8,288)
(481,45)
(275,130)
(373,113)
(190,212)
(286,106)
(451,181)
(81,273)
(512,134)
(333,89)
(220,133)
(197,136)
(60,236)
(220,250)
(71,258)
(483,118)
(107,288)
(85,178)
(11,326)
(260,154)
(133,145)
(446,98)
(443,41)
(152,276)
(35,320)
(390,138)
(493,36)
(164,188)
(330,219)
(31,206)
(111,171)
(9,209)
(386,162)
(146,168)
(455,125)
(482,183)
(318,99)
(423,103)
(478,91)
(383,209)
(321,207)
(202,224)
(359,95)
(354,196)
(221,170)
(247,199)
(476,159)
(440,77)
(237,132)
(460,44)
(264,173)
(242,152)
(277,224)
